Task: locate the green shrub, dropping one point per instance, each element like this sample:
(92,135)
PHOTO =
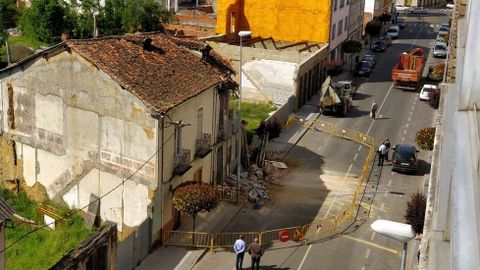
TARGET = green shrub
(425,138)
(415,212)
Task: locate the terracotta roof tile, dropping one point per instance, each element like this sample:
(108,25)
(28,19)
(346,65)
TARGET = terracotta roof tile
(152,67)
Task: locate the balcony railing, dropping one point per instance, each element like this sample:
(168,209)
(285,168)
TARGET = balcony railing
(204,145)
(182,161)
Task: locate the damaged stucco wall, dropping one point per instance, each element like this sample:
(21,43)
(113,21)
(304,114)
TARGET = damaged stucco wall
(79,133)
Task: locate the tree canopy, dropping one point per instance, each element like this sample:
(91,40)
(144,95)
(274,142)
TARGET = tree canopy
(373,28)
(352,46)
(8,14)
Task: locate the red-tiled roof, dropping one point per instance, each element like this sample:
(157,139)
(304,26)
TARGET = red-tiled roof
(152,67)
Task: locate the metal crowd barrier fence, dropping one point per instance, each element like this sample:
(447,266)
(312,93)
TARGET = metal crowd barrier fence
(317,229)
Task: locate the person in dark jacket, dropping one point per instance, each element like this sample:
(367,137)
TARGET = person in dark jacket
(256,251)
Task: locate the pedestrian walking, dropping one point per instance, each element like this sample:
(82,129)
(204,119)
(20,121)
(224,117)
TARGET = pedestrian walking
(382,151)
(239,248)
(373,109)
(387,144)
(256,252)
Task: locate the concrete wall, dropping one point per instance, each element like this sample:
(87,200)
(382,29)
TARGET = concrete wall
(78,133)
(282,20)
(340,17)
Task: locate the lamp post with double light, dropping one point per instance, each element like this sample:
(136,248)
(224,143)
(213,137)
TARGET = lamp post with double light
(241,34)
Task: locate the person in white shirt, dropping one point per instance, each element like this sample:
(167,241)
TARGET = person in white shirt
(382,153)
(239,248)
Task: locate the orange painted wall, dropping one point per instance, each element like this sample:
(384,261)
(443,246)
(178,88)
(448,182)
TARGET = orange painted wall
(305,20)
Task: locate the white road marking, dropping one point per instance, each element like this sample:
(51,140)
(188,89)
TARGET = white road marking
(413,108)
(304,257)
(355,157)
(389,182)
(409,118)
(386,194)
(403,139)
(363,268)
(367,253)
(392,173)
(373,236)
(408,124)
(359,148)
(405,132)
(381,106)
(336,194)
(180,264)
(411,112)
(382,206)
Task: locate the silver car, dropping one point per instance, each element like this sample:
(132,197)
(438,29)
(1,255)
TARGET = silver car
(440,50)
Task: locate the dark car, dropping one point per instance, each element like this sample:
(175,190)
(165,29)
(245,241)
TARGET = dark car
(387,40)
(401,23)
(404,158)
(370,58)
(362,69)
(379,46)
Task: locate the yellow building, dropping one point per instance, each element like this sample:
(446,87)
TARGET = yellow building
(279,19)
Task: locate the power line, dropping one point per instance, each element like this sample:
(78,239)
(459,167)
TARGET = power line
(94,201)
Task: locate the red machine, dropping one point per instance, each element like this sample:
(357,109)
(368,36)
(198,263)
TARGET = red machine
(408,71)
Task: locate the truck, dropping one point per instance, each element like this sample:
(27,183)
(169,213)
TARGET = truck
(407,73)
(336,97)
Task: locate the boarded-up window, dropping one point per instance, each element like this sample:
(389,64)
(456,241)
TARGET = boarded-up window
(10,112)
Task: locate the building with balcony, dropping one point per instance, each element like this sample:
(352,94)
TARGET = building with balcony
(451,234)
(122,120)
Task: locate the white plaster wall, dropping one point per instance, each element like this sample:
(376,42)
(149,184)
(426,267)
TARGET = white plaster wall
(90,184)
(50,167)
(135,201)
(49,113)
(137,143)
(29,160)
(71,197)
(111,204)
(82,131)
(369,6)
(111,134)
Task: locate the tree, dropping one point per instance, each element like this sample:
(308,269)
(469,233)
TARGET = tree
(384,18)
(83,20)
(45,20)
(194,197)
(373,29)
(425,138)
(110,18)
(351,47)
(415,212)
(8,14)
(144,16)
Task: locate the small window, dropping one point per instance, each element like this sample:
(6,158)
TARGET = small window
(333,31)
(197,176)
(178,141)
(342,3)
(346,24)
(335,4)
(340,27)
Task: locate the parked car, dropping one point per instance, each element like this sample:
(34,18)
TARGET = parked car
(450,5)
(418,10)
(387,40)
(401,23)
(446,25)
(393,31)
(379,46)
(426,92)
(444,30)
(440,50)
(371,59)
(362,69)
(401,8)
(404,158)
(442,38)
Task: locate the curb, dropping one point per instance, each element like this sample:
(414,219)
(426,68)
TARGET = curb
(205,251)
(300,137)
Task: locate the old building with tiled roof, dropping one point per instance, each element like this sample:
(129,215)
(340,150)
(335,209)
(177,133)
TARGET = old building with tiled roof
(129,116)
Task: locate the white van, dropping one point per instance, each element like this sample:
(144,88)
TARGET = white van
(393,31)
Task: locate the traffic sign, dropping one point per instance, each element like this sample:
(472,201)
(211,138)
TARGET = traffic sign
(284,236)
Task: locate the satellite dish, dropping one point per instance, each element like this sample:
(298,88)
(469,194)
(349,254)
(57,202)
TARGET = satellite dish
(399,231)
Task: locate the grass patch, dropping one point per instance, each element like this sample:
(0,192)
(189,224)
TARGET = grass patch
(254,113)
(42,249)
(25,41)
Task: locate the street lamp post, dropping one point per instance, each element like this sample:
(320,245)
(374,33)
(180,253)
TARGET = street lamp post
(241,34)
(399,231)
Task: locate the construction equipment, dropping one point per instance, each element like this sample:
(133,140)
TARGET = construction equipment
(336,97)
(408,71)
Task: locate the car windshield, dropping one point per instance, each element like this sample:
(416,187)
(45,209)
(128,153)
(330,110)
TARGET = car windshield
(391,31)
(400,20)
(440,47)
(427,90)
(363,65)
(368,57)
(405,156)
(444,29)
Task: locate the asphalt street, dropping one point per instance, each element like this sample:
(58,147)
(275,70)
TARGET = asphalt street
(401,114)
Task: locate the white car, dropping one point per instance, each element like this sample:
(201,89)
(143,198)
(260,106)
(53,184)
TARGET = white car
(450,6)
(401,8)
(419,10)
(440,50)
(426,91)
(443,30)
(393,31)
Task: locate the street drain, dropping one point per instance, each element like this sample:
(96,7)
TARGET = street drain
(397,193)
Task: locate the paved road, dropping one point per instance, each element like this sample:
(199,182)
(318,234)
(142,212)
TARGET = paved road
(401,115)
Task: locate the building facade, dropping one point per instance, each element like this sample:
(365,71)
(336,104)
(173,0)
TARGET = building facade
(339,23)
(121,121)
